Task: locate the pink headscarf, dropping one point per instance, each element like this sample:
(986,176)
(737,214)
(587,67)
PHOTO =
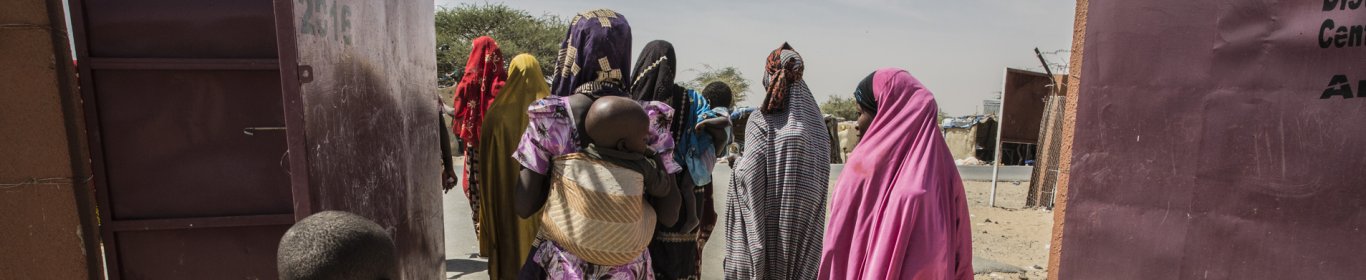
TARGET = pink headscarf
(899,211)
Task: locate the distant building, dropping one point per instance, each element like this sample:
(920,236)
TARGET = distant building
(991,107)
(970,136)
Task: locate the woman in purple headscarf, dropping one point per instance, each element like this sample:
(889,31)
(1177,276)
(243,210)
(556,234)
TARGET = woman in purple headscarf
(594,61)
(597,48)
(899,211)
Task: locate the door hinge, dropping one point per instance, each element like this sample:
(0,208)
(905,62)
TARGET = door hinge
(305,74)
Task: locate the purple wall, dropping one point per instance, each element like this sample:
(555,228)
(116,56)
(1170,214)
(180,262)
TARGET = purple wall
(1214,141)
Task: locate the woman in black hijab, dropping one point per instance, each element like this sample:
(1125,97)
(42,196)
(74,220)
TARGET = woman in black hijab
(676,249)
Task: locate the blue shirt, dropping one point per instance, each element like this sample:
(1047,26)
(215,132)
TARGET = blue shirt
(694,149)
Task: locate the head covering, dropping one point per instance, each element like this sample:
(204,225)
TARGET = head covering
(784,68)
(597,89)
(484,77)
(525,83)
(901,172)
(777,194)
(654,81)
(863,94)
(509,237)
(655,69)
(596,48)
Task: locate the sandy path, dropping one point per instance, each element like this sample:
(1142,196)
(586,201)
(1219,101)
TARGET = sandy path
(1015,237)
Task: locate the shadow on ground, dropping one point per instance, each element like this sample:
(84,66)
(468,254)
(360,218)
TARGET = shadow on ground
(462,267)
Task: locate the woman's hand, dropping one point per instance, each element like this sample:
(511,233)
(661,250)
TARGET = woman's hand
(448,180)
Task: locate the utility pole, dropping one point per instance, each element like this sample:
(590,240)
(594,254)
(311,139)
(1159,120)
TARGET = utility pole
(996,162)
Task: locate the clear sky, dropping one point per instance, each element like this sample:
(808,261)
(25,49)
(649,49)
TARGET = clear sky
(958,48)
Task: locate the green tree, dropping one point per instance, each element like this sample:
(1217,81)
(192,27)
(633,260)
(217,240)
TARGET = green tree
(729,75)
(940,119)
(841,107)
(516,32)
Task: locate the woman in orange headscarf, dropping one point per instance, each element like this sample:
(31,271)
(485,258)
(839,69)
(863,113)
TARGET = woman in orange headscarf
(484,77)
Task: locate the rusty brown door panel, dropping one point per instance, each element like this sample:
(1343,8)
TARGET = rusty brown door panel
(179,134)
(218,253)
(1024,99)
(195,29)
(198,137)
(169,88)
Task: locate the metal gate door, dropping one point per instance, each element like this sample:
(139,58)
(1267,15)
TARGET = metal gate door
(186,118)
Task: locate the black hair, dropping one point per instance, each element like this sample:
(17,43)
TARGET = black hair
(718,94)
(337,245)
(863,94)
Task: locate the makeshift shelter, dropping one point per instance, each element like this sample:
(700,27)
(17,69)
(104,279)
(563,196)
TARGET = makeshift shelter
(832,128)
(970,136)
(848,138)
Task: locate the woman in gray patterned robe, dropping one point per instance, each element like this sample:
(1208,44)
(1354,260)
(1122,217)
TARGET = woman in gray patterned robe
(775,218)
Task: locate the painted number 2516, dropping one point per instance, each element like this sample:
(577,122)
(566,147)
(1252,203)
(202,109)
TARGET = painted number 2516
(314,13)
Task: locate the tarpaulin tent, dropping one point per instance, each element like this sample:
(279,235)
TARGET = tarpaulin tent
(970,136)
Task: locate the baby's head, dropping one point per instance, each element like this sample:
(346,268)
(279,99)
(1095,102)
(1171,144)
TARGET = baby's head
(618,123)
(337,245)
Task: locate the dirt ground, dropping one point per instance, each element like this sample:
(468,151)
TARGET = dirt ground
(1007,233)
(1013,236)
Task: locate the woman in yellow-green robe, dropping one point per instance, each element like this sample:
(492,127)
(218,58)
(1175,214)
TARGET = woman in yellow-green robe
(506,237)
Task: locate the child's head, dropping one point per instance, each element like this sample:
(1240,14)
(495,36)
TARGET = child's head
(617,123)
(337,245)
(718,94)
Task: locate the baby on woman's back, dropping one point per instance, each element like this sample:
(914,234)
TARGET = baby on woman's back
(599,207)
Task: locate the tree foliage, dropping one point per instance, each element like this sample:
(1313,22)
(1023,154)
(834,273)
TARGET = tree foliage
(729,75)
(841,107)
(516,32)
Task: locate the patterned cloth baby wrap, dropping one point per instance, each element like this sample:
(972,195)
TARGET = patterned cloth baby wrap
(596,208)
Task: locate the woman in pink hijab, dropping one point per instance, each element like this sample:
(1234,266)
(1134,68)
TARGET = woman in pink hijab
(898,211)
